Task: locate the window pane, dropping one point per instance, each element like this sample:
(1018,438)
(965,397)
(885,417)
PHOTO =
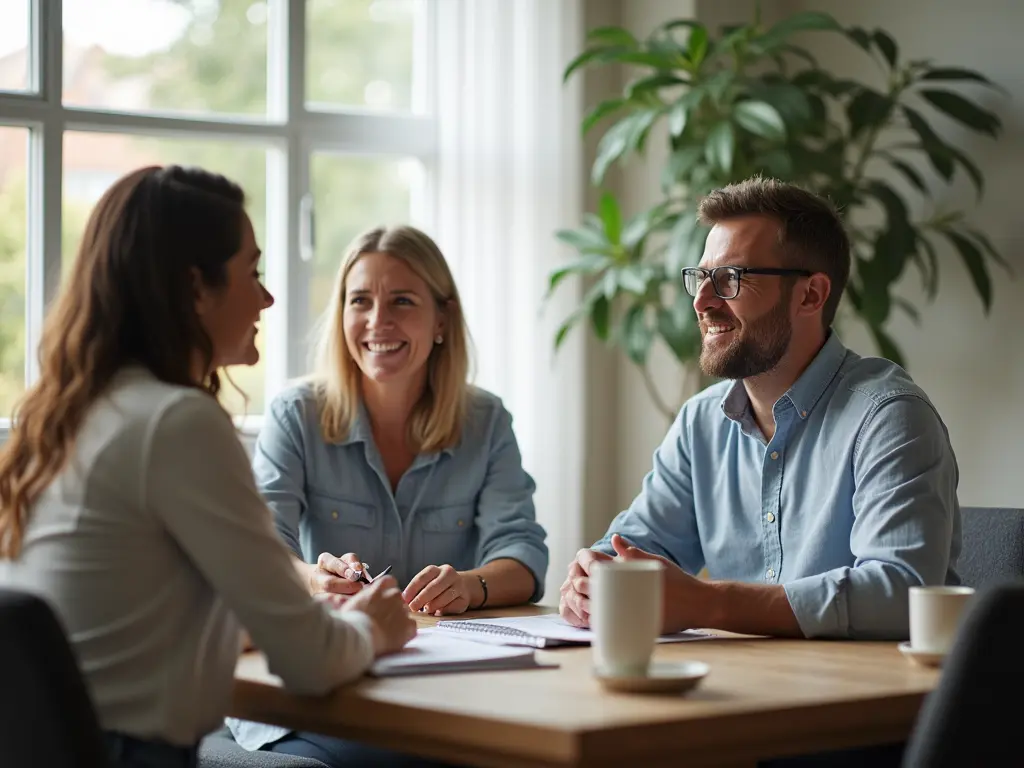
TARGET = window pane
(200,56)
(352,194)
(93,161)
(14,50)
(13,241)
(359,53)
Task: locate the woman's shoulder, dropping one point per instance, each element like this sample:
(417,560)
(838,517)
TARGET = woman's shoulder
(296,402)
(486,417)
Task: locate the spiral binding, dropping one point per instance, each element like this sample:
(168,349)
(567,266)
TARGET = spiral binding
(494,629)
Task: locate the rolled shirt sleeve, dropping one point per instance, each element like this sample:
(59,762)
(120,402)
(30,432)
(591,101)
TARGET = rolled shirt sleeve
(905,517)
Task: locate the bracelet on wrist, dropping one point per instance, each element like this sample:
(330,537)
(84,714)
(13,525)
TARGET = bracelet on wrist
(483,583)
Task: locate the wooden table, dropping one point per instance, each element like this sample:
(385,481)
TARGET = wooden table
(763,698)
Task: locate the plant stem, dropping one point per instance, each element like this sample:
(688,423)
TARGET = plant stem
(659,403)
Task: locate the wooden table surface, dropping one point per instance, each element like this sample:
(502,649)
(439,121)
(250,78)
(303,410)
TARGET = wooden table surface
(762,698)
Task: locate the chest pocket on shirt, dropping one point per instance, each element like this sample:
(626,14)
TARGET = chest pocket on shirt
(448,535)
(341,525)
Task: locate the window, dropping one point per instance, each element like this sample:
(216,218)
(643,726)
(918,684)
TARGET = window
(15,52)
(318,109)
(13,243)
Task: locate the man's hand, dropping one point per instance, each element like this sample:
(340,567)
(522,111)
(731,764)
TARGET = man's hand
(574,605)
(687,602)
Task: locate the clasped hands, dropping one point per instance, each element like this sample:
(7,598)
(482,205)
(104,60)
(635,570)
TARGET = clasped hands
(437,589)
(685,598)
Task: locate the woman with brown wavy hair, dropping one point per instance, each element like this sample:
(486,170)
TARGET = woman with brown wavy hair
(126,498)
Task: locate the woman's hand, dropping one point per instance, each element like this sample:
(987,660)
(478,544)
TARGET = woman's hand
(440,590)
(335,575)
(393,625)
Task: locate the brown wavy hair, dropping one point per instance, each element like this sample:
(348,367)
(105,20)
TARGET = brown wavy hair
(129,299)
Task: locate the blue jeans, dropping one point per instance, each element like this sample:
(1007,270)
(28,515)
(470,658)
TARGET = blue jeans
(130,752)
(340,753)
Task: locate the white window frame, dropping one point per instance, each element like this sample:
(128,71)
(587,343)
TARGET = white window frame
(290,130)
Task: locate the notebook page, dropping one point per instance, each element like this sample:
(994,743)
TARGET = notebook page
(433,651)
(551,626)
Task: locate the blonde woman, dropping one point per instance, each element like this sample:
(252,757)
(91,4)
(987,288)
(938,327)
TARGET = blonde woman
(387,456)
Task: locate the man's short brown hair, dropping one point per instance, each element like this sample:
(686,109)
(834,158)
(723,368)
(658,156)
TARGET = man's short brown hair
(811,233)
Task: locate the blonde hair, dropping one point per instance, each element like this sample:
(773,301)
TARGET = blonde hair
(437,419)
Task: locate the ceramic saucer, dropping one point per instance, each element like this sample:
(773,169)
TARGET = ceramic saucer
(661,677)
(923,658)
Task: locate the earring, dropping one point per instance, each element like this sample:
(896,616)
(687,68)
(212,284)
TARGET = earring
(438,339)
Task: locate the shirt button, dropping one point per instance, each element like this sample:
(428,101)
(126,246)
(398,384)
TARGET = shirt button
(461,523)
(770,517)
(804,414)
(775,454)
(334,514)
(770,574)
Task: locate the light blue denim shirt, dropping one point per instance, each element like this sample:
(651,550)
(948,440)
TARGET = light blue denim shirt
(852,502)
(464,506)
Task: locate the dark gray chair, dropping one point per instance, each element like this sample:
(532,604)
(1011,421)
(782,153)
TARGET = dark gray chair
(219,750)
(993,546)
(46,715)
(972,718)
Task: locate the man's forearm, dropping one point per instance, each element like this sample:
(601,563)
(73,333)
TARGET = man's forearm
(751,609)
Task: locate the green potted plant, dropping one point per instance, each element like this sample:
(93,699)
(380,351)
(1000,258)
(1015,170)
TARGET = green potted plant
(749,101)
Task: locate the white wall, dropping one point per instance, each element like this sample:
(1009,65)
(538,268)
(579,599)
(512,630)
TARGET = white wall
(971,365)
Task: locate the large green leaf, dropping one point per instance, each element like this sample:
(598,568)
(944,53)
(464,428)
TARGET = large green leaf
(963,110)
(868,109)
(933,146)
(975,263)
(955,73)
(659,60)
(636,334)
(885,44)
(611,217)
(798,22)
(789,100)
(761,119)
(612,36)
(861,37)
(987,247)
(910,174)
(585,266)
(621,137)
(909,309)
(644,85)
(875,300)
(602,110)
(600,314)
(584,240)
(679,112)
(721,146)
(697,46)
(897,241)
(600,55)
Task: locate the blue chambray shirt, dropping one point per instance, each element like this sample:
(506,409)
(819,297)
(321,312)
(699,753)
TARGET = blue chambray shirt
(464,506)
(852,502)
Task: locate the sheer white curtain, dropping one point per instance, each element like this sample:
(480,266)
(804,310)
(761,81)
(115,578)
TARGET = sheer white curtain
(509,174)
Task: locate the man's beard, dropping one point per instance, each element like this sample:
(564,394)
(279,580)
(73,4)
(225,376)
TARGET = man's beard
(757,348)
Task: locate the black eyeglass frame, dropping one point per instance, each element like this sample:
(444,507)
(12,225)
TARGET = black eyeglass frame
(706,274)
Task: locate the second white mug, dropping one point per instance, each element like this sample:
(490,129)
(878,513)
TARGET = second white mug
(935,614)
(625,615)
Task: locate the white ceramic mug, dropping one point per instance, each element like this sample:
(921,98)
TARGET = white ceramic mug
(625,615)
(935,614)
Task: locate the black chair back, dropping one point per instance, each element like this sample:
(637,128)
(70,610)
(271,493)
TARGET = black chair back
(993,546)
(972,717)
(46,715)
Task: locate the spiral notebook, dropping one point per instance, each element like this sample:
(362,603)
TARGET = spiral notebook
(433,652)
(547,631)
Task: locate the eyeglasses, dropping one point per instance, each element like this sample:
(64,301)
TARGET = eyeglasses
(726,280)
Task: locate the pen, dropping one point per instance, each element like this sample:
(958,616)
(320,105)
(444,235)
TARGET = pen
(364,579)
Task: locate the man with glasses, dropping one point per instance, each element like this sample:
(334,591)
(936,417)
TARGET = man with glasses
(815,485)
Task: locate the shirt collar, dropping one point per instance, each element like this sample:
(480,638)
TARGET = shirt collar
(361,432)
(806,390)
(816,378)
